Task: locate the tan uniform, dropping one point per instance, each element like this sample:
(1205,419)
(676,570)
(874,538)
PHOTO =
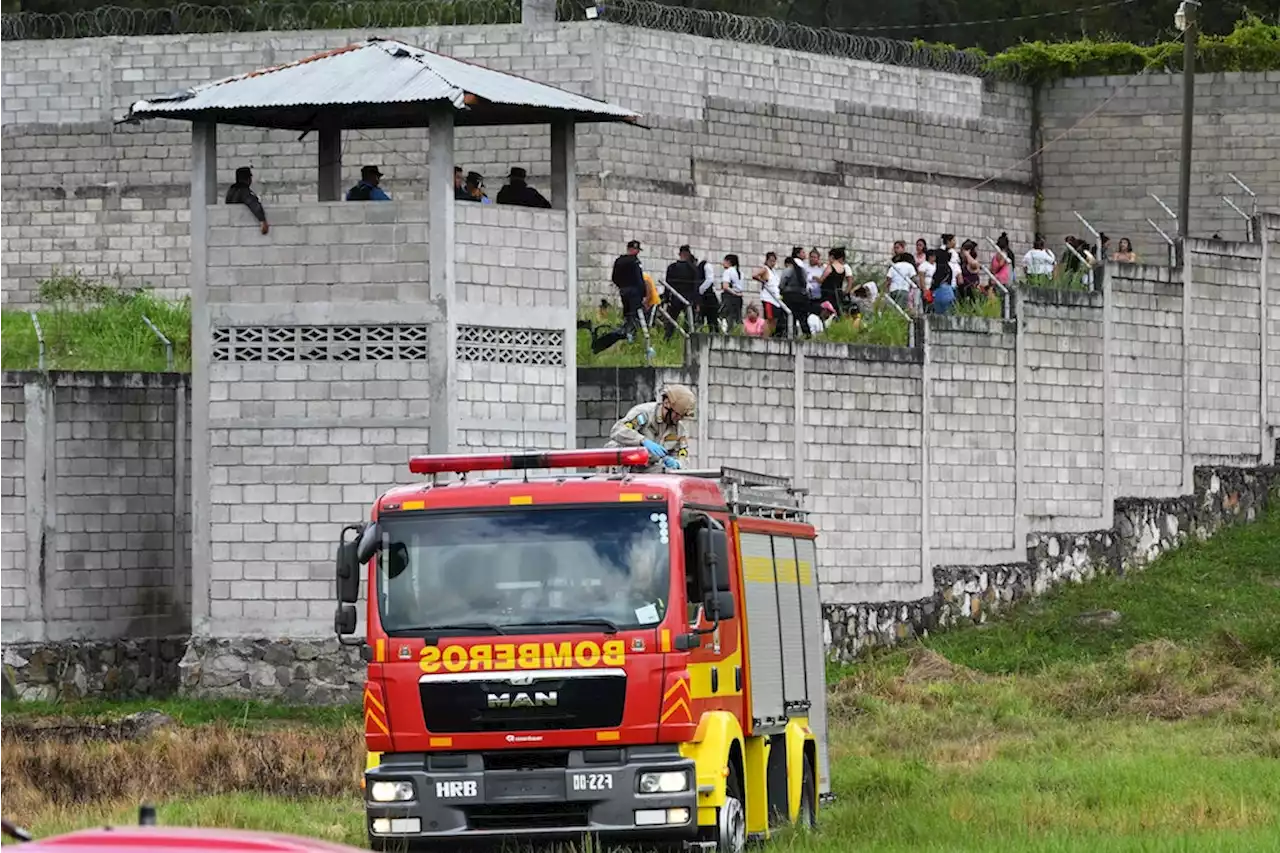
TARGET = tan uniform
(641,424)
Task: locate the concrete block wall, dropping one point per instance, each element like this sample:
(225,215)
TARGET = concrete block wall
(117,454)
(973,439)
(296,451)
(1034,427)
(13,504)
(1224,347)
(333,252)
(756,149)
(1116,139)
(1063,391)
(95,231)
(742,137)
(96,505)
(1146,423)
(1270,233)
(862,460)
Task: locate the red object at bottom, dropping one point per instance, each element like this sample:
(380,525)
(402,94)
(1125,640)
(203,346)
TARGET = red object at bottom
(162,839)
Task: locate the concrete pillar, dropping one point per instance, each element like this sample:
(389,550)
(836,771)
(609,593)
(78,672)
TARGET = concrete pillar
(329,165)
(1261,230)
(39,473)
(204,192)
(926,437)
(442,212)
(538,11)
(182,603)
(564,196)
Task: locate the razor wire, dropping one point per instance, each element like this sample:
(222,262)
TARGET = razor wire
(771,32)
(190,18)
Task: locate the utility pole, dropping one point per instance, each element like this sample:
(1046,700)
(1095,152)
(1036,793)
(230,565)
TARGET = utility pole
(1185,20)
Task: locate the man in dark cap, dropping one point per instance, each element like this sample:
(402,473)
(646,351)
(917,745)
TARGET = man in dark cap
(474,188)
(628,277)
(241,193)
(368,189)
(520,193)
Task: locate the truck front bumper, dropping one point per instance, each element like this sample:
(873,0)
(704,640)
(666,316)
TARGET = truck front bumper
(534,794)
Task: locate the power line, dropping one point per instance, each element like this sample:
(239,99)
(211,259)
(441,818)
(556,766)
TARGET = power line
(1039,16)
(1093,112)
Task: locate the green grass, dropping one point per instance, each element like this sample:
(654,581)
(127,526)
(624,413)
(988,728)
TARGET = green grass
(89,326)
(189,712)
(885,328)
(1034,733)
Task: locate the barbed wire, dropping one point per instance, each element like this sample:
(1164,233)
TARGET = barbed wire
(1011,19)
(370,15)
(187,18)
(771,32)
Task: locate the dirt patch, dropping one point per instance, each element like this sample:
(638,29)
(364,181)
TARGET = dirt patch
(926,666)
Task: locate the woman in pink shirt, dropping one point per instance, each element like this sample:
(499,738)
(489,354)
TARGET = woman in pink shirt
(753,324)
(1002,261)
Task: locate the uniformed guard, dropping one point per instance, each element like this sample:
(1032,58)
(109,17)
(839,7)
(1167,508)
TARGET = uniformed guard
(659,428)
(241,192)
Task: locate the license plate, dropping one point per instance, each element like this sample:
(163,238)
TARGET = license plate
(592,782)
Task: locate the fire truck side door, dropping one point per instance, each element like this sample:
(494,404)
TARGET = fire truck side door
(716,664)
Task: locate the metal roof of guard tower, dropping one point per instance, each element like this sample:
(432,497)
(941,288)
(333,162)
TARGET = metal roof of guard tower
(375,84)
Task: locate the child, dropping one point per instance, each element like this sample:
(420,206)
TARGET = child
(754,325)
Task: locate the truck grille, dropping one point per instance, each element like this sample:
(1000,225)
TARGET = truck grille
(518,816)
(595,702)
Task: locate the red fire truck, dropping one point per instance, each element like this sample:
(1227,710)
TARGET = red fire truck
(636,657)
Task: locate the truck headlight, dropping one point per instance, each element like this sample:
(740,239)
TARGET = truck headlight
(391,792)
(669,782)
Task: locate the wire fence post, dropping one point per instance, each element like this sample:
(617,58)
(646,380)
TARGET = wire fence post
(168,345)
(35,321)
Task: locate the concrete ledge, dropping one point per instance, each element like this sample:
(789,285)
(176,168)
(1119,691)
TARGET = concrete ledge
(1050,296)
(94,379)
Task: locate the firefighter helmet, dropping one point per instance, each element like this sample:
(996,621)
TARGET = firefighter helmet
(680,399)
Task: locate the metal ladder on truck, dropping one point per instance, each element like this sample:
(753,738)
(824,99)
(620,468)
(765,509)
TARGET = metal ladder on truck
(748,493)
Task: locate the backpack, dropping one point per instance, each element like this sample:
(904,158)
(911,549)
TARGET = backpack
(793,283)
(360,192)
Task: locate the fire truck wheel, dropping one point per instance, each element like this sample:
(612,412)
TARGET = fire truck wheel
(808,798)
(731,825)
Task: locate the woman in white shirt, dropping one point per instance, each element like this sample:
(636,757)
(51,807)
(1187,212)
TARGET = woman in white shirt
(1039,263)
(732,292)
(902,277)
(770,292)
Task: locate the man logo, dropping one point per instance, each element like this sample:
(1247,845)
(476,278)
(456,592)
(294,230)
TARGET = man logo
(537,699)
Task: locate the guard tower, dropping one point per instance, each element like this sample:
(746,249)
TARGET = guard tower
(329,348)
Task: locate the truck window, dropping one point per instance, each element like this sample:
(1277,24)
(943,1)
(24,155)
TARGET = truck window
(524,566)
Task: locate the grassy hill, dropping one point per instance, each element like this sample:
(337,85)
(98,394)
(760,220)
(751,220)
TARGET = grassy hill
(1154,727)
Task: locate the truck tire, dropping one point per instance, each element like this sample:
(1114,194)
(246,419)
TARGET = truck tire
(808,817)
(731,819)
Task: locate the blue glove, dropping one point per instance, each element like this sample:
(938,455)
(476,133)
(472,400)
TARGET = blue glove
(671,462)
(655,449)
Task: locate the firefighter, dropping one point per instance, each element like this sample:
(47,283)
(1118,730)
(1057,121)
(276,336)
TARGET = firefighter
(658,427)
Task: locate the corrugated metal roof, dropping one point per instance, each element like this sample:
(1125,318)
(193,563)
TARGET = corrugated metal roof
(371,73)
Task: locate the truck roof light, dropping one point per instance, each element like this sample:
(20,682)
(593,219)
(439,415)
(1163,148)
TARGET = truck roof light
(461,463)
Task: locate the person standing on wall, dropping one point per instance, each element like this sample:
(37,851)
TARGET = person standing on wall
(683,276)
(241,193)
(628,277)
(368,189)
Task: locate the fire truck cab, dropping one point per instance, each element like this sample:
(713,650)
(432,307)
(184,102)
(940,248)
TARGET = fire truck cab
(636,657)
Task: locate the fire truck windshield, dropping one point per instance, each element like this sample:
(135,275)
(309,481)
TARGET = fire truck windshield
(564,569)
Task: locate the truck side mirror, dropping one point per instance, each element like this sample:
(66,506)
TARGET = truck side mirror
(713,559)
(719,605)
(344,619)
(348,572)
(369,540)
